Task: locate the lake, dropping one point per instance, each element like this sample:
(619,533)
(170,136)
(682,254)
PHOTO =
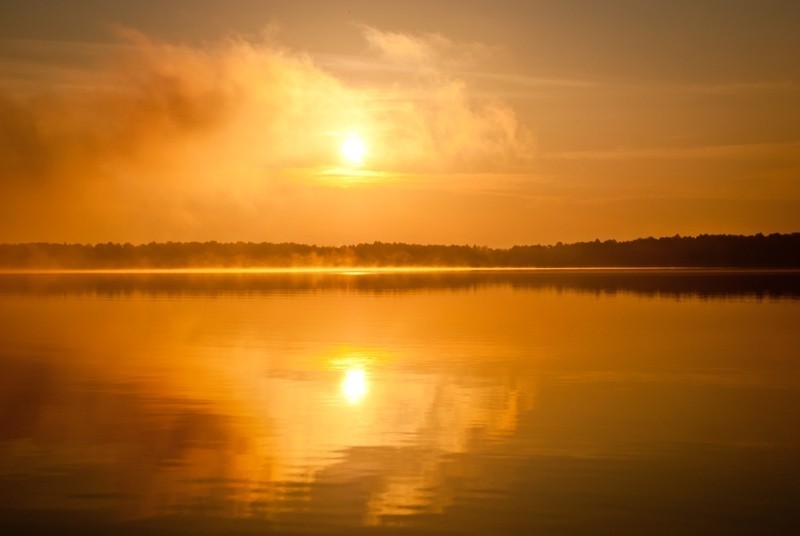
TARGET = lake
(379,402)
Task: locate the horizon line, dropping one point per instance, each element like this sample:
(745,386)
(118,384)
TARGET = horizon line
(429,244)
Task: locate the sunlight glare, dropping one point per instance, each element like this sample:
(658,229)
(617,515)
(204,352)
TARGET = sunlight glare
(354,385)
(353,150)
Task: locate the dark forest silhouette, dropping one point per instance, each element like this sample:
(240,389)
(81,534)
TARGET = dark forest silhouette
(756,251)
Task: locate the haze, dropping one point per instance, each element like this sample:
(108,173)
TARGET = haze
(493,123)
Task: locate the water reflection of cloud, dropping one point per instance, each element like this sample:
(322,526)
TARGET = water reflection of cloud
(397,442)
(268,445)
(145,406)
(238,404)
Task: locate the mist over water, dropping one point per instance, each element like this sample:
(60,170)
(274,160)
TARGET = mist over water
(558,402)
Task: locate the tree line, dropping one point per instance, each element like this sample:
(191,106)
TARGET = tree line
(764,251)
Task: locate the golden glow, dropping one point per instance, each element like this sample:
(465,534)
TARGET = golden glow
(354,385)
(353,150)
(259,140)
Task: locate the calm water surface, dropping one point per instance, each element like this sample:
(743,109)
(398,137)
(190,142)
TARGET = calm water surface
(367,403)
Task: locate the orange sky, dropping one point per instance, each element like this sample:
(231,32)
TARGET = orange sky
(493,123)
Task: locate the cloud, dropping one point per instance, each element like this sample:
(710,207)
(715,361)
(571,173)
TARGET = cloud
(426,51)
(432,118)
(160,93)
(178,136)
(782,151)
(722,88)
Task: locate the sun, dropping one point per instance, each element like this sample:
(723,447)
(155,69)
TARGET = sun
(353,150)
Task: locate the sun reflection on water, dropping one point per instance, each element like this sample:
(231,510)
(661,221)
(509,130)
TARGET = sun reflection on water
(355,385)
(269,424)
